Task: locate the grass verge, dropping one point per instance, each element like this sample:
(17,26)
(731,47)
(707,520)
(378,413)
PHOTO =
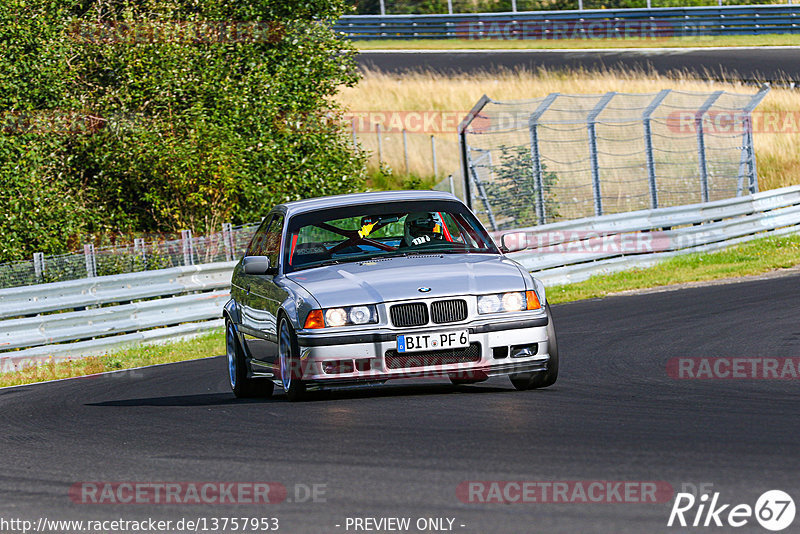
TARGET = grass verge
(210,344)
(754,257)
(699,41)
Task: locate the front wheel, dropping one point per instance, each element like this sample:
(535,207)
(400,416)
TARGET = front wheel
(548,377)
(241,384)
(289,356)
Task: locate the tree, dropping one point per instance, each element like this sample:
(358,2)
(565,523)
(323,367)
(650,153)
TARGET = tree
(174,114)
(513,191)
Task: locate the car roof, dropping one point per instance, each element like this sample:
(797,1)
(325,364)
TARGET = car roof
(313,204)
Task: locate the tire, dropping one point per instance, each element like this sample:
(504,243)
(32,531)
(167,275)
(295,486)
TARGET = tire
(548,377)
(289,356)
(241,384)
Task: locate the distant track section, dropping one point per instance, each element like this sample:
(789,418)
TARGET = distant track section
(751,64)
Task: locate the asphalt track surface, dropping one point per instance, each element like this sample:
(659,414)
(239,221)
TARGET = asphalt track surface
(756,64)
(402,450)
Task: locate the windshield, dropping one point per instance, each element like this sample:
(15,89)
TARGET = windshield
(360,233)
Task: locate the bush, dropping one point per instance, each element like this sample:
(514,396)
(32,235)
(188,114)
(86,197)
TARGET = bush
(149,134)
(513,191)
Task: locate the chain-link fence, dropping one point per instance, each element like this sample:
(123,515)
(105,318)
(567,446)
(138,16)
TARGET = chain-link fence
(570,156)
(143,255)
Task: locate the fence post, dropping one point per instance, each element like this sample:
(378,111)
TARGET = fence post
(227,240)
(433,156)
(452,185)
(139,249)
(405,149)
(701,143)
(188,253)
(648,145)
(91,263)
(380,145)
(38,265)
(462,139)
(481,190)
(590,124)
(536,160)
(747,163)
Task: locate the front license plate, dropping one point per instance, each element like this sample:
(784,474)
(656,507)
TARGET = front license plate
(438,341)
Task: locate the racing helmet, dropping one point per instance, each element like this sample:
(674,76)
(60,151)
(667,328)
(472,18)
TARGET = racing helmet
(421,227)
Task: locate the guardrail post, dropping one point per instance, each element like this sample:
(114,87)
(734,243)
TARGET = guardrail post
(536,160)
(140,251)
(701,143)
(747,163)
(188,252)
(590,124)
(91,262)
(227,240)
(648,145)
(38,265)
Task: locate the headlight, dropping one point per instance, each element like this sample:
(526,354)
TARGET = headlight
(335,317)
(508,302)
(346,316)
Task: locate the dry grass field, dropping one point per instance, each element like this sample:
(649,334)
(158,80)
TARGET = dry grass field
(777,154)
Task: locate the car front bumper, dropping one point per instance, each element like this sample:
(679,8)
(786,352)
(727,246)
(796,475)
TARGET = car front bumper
(370,356)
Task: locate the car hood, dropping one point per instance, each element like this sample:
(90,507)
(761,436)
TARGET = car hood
(400,278)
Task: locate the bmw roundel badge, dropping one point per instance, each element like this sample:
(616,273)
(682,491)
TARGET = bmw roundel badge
(423,289)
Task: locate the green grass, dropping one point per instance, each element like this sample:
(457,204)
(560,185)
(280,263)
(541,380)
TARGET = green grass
(203,346)
(754,257)
(632,42)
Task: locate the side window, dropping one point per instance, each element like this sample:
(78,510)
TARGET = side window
(272,240)
(256,247)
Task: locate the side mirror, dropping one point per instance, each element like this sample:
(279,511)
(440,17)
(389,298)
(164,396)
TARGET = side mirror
(256,265)
(513,242)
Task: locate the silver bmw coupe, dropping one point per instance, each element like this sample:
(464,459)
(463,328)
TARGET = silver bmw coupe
(359,289)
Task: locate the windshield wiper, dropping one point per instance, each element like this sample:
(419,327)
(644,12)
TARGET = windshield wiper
(317,264)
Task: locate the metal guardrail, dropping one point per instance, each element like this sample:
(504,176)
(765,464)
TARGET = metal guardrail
(56,296)
(607,23)
(184,301)
(83,317)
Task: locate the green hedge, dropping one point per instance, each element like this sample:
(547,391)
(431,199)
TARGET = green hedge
(111,126)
